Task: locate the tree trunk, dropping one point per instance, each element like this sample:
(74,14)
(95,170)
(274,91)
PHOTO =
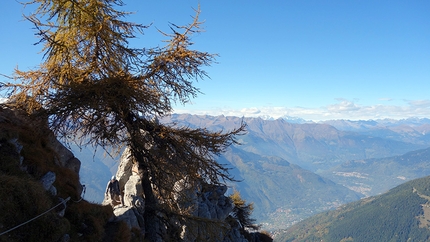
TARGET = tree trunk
(152,223)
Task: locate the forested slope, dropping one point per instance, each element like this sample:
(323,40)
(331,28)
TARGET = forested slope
(398,215)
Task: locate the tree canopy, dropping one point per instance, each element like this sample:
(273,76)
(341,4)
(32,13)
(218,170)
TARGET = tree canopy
(92,85)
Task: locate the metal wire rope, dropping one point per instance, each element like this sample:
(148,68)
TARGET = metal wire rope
(62,202)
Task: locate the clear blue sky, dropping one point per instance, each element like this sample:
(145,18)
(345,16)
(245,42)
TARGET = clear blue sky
(312,59)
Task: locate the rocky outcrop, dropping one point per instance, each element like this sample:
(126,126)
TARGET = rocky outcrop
(64,156)
(125,168)
(207,202)
(212,205)
(39,178)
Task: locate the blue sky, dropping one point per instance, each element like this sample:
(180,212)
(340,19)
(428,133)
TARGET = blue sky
(316,60)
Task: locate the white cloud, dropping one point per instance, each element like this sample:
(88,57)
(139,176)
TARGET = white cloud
(251,111)
(343,109)
(386,99)
(343,106)
(420,103)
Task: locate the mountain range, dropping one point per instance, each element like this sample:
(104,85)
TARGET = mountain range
(292,170)
(312,146)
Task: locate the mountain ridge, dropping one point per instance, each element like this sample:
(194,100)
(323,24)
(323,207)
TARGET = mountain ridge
(299,120)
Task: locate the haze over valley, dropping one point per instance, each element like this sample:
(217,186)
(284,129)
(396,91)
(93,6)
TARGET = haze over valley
(291,169)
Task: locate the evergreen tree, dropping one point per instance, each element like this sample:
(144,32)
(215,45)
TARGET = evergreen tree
(91,85)
(242,211)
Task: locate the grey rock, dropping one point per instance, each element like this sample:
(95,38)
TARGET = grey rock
(47,182)
(125,168)
(64,157)
(64,154)
(133,191)
(127,215)
(53,190)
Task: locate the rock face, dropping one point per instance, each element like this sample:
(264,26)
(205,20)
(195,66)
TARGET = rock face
(65,157)
(209,203)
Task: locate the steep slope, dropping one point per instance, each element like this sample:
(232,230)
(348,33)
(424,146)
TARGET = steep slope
(39,178)
(402,214)
(374,176)
(283,193)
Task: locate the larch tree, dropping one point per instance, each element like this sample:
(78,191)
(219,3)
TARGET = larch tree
(242,212)
(93,86)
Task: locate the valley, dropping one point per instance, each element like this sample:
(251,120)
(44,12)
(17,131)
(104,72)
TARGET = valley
(291,171)
(401,214)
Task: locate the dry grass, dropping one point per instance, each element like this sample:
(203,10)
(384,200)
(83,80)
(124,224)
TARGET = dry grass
(88,220)
(23,199)
(22,196)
